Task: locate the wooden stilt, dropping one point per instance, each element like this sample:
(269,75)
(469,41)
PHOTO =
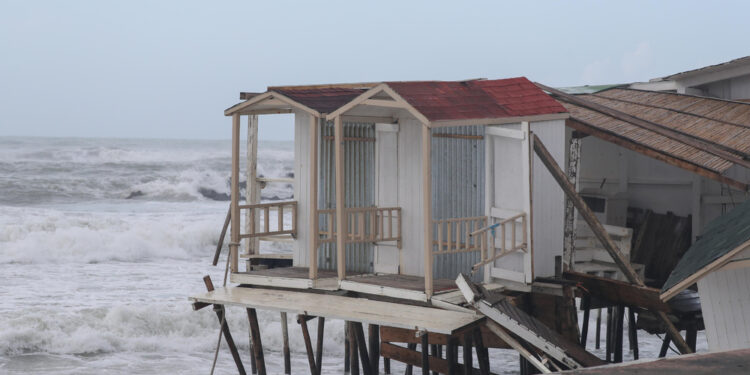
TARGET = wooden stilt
(437,352)
(387,365)
(425,354)
(285,346)
(221,314)
(468,362)
(253,366)
(619,318)
(450,355)
(354,361)
(409,367)
(598,337)
(483,355)
(319,346)
(364,357)
(257,343)
(586,307)
(373,335)
(664,346)
(347,350)
(632,333)
(691,335)
(301,319)
(608,340)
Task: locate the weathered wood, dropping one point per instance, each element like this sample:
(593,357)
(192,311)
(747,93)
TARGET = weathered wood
(633,333)
(373,336)
(450,355)
(598,337)
(427,208)
(257,343)
(574,157)
(409,367)
(314,217)
(234,231)
(221,315)
(505,335)
(386,365)
(308,344)
(483,356)
(467,353)
(220,244)
(586,307)
(364,357)
(354,361)
(664,346)
(340,218)
(619,318)
(601,234)
(319,346)
(425,354)
(347,349)
(619,292)
(414,358)
(437,352)
(285,344)
(253,188)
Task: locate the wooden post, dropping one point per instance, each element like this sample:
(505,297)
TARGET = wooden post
(234,232)
(302,320)
(450,355)
(586,307)
(285,347)
(257,343)
(619,318)
(664,347)
(427,208)
(409,366)
(314,228)
(425,354)
(359,333)
(373,336)
(598,338)
(437,352)
(468,363)
(221,314)
(338,136)
(319,346)
(354,361)
(574,157)
(633,333)
(347,350)
(483,356)
(603,236)
(252,194)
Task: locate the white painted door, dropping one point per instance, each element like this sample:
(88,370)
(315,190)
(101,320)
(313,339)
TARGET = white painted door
(387,255)
(508,193)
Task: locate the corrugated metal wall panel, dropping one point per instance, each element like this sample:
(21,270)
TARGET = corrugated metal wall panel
(359,175)
(457,190)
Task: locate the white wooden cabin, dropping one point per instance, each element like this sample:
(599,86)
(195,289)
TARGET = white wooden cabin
(434,178)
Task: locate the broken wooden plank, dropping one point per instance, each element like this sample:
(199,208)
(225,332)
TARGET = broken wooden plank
(221,315)
(619,292)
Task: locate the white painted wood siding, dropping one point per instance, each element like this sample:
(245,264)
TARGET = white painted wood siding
(387,256)
(725,301)
(548,199)
(302,186)
(410,196)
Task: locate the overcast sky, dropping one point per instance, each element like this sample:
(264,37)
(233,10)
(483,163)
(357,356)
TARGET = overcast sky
(168,69)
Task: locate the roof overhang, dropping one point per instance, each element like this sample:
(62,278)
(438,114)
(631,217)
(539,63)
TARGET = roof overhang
(379,96)
(268,103)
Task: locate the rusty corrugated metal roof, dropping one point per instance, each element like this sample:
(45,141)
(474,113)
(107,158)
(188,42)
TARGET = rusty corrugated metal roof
(476,99)
(324,99)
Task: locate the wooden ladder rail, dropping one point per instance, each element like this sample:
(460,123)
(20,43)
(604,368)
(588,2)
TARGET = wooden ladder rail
(222,235)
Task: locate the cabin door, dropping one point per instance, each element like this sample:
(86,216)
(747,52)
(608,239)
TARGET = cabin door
(508,195)
(387,257)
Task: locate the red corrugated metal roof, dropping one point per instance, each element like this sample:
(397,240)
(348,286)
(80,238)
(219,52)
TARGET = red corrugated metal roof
(500,98)
(323,100)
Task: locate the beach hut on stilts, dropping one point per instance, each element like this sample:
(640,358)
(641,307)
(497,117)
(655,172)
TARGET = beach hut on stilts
(431,212)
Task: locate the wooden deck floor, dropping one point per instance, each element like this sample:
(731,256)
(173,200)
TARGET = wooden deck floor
(725,363)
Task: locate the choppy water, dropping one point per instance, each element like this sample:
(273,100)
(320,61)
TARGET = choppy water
(96,283)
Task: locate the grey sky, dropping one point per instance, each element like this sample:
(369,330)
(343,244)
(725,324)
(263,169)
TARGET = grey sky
(167,69)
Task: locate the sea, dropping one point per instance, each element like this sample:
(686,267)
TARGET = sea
(102,241)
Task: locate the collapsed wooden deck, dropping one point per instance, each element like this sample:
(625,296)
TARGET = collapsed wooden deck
(353,309)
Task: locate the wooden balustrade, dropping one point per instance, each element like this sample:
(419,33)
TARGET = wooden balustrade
(363,224)
(261,214)
(454,235)
(507,246)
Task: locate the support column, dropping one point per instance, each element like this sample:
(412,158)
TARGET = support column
(313,234)
(235,195)
(338,136)
(574,157)
(427,207)
(252,194)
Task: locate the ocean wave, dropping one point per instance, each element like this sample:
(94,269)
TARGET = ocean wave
(157,328)
(46,235)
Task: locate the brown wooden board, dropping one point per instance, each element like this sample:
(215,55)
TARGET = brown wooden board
(393,334)
(618,292)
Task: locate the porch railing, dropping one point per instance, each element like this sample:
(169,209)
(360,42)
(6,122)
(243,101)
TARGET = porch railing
(260,221)
(507,245)
(363,224)
(454,235)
